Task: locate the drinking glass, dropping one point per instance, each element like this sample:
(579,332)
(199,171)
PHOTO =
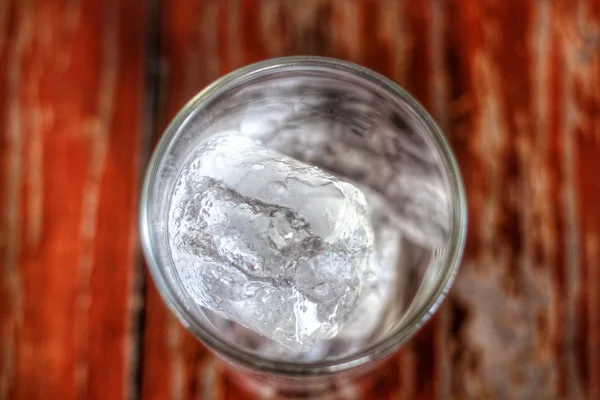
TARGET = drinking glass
(363,128)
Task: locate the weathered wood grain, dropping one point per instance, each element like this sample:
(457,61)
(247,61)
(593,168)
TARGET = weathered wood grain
(515,85)
(517,131)
(71,77)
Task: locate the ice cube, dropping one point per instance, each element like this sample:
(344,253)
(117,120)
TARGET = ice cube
(267,241)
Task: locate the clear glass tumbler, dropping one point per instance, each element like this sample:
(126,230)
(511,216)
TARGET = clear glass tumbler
(363,128)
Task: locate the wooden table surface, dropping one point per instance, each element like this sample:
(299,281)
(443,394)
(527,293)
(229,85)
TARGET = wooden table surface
(86,88)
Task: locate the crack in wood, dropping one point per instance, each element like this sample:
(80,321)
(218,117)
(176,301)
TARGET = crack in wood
(12,193)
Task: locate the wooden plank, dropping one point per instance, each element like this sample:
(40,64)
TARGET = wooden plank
(514,72)
(203,40)
(71,87)
(172,360)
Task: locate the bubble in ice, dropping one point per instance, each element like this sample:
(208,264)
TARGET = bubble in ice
(271,243)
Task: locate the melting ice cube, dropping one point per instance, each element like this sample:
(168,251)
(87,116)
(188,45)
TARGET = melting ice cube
(269,242)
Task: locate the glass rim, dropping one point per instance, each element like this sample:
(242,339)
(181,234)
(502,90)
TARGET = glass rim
(372,352)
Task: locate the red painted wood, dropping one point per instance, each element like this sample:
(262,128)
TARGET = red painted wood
(515,85)
(70,118)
